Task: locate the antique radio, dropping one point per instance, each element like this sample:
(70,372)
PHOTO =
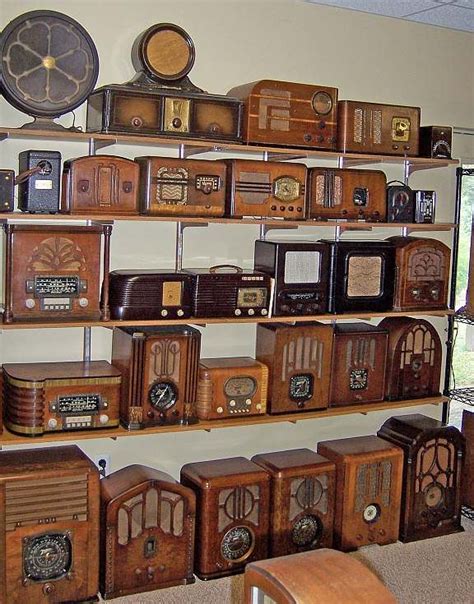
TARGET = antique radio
(7,187)
(347,194)
(425,205)
(288,114)
(231,387)
(160,99)
(470,278)
(432,472)
(376,128)
(150,294)
(302,491)
(50,397)
(49,535)
(413,358)
(159,367)
(468,472)
(359,358)
(265,189)
(368,490)
(181,187)
(400,202)
(299,270)
(232,514)
(100,184)
(299,363)
(147,532)
(361,276)
(229,291)
(53,273)
(39,181)
(435,141)
(422,273)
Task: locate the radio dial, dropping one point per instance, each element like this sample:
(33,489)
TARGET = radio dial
(30,303)
(177,123)
(53,423)
(83,302)
(103,418)
(137,122)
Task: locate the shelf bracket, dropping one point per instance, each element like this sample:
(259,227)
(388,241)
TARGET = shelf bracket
(99,143)
(188,150)
(292,421)
(348,162)
(180,226)
(265,228)
(3,136)
(270,156)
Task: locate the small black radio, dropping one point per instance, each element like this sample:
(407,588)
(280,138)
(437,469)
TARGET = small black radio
(425,204)
(39,181)
(400,202)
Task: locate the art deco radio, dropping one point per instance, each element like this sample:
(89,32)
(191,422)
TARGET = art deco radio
(302,491)
(435,141)
(232,514)
(288,114)
(39,181)
(400,202)
(7,188)
(159,367)
(50,397)
(346,194)
(266,189)
(376,128)
(181,187)
(425,206)
(468,473)
(299,270)
(231,387)
(368,490)
(100,184)
(432,472)
(422,274)
(299,363)
(49,536)
(53,273)
(413,359)
(359,359)
(147,532)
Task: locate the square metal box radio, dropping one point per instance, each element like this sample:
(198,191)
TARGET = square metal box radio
(39,181)
(436,141)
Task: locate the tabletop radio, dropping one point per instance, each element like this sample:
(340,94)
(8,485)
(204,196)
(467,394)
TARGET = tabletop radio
(39,181)
(400,202)
(436,141)
(425,206)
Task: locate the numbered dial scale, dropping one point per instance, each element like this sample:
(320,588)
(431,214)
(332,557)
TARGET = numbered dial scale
(47,557)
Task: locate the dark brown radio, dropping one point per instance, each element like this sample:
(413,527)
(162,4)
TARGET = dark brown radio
(359,358)
(53,273)
(100,184)
(147,532)
(422,273)
(181,187)
(377,128)
(7,188)
(288,114)
(302,493)
(232,514)
(51,397)
(266,189)
(432,473)
(159,367)
(39,181)
(346,194)
(413,359)
(49,519)
(468,472)
(436,141)
(400,202)
(299,363)
(368,490)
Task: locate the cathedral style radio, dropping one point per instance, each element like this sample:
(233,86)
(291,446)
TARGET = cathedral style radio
(377,128)
(436,141)
(53,273)
(39,181)
(302,491)
(400,202)
(159,367)
(50,397)
(368,490)
(181,187)
(7,188)
(299,363)
(432,473)
(49,535)
(232,514)
(147,532)
(288,114)
(231,387)
(413,358)
(468,473)
(267,189)
(299,270)
(344,193)
(100,184)
(422,274)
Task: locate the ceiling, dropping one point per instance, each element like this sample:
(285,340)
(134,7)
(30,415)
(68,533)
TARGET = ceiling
(454,14)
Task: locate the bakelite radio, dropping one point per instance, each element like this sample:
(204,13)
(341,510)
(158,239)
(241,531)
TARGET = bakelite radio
(368,490)
(49,519)
(299,364)
(288,114)
(400,202)
(435,141)
(432,473)
(39,181)
(232,514)
(300,273)
(7,188)
(468,472)
(231,387)
(147,532)
(159,367)
(302,492)
(51,397)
